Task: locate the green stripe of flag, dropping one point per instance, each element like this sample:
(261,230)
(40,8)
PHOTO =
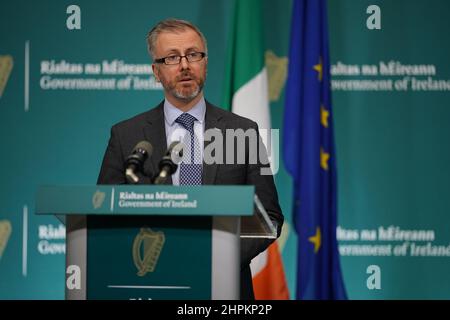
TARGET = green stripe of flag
(245,52)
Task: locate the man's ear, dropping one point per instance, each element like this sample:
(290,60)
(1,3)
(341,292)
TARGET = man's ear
(156,72)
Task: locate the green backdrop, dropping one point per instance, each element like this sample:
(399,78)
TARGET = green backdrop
(391,144)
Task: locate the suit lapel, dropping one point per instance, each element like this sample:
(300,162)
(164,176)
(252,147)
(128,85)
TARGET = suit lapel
(155,132)
(211,121)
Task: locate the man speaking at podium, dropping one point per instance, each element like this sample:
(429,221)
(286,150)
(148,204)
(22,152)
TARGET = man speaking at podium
(180,59)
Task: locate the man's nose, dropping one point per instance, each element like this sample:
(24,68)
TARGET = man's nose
(184,63)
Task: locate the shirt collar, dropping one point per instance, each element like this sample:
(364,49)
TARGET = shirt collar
(171,113)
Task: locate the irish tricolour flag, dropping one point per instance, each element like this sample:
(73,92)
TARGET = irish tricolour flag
(247,94)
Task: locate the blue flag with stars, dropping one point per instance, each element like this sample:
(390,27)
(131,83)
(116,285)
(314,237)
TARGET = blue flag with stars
(309,155)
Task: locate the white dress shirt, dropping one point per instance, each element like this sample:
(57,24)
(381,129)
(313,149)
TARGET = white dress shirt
(176,132)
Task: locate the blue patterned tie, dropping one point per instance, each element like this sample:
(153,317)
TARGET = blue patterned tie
(191,166)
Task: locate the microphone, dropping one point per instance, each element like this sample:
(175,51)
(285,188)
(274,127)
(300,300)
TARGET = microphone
(169,163)
(136,160)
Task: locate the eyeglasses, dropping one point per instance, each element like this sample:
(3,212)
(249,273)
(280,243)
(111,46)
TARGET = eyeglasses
(190,57)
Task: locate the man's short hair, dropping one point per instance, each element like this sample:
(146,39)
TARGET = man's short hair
(170,25)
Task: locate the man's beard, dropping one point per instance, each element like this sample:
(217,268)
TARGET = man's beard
(187,97)
(181,93)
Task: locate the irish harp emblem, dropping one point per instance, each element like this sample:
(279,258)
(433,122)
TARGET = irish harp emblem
(147,247)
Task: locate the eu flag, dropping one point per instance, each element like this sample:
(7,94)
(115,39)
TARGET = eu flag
(309,154)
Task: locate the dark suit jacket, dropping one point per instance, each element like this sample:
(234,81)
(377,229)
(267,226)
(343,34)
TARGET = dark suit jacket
(150,126)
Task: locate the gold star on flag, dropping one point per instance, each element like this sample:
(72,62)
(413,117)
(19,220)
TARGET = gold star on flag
(324,157)
(324,114)
(316,240)
(319,69)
